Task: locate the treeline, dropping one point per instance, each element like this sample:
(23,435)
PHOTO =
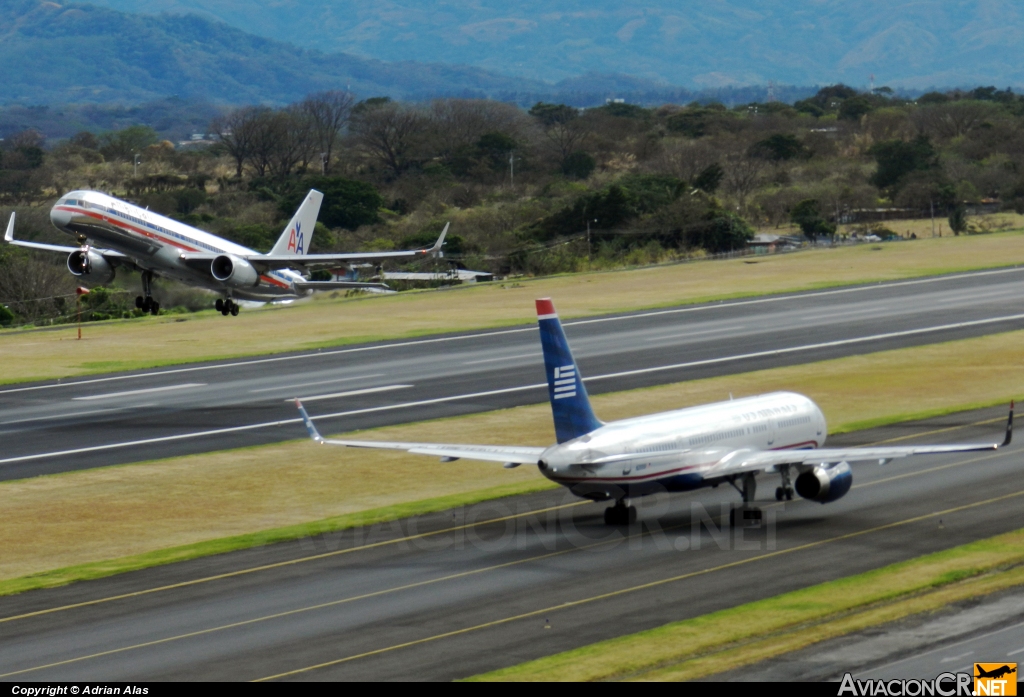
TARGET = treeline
(553,187)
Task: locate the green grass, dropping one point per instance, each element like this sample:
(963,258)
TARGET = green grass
(101,569)
(330,323)
(753,632)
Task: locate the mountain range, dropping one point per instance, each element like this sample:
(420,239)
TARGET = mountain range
(692,44)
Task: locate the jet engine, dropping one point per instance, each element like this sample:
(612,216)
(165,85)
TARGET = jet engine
(234,271)
(91,267)
(825,484)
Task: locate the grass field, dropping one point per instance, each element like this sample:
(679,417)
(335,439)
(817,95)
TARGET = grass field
(746,634)
(130,510)
(153,341)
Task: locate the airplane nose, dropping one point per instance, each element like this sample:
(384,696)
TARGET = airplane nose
(59,218)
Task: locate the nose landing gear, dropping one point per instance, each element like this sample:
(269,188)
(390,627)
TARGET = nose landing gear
(226,307)
(620,514)
(746,514)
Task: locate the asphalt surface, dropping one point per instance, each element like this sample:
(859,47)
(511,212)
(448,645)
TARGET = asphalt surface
(989,629)
(111,419)
(459,592)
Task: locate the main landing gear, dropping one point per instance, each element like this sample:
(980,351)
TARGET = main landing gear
(620,514)
(145,301)
(786,490)
(226,307)
(746,514)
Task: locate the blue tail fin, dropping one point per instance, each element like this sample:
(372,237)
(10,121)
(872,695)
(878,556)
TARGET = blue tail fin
(569,402)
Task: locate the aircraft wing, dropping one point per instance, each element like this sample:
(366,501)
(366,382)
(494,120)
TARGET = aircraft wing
(510,455)
(337,285)
(740,461)
(270,262)
(9,238)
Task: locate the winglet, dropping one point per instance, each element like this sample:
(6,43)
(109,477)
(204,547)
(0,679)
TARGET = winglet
(9,235)
(436,249)
(1009,427)
(313,433)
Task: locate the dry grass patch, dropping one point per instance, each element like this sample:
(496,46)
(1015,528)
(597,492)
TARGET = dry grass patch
(148,342)
(121,511)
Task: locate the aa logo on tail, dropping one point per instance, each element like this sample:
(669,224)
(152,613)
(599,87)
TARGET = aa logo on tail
(995,679)
(295,239)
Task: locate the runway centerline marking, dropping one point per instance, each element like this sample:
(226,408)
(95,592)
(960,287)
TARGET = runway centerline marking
(129,393)
(618,318)
(290,562)
(640,587)
(509,390)
(313,384)
(343,601)
(353,393)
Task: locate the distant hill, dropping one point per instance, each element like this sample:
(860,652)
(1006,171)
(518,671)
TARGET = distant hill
(59,53)
(905,43)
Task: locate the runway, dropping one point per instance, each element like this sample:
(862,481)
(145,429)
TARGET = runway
(463,591)
(88,422)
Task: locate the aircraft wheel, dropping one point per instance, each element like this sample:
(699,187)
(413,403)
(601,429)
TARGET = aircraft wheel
(147,304)
(234,310)
(789,493)
(139,301)
(219,305)
(779,493)
(154,308)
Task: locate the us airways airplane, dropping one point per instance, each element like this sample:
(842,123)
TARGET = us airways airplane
(137,239)
(726,442)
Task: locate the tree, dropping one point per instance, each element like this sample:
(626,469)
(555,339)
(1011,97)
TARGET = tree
(563,127)
(779,147)
(720,231)
(958,220)
(578,165)
(807,215)
(898,158)
(709,178)
(389,134)
(347,203)
(328,114)
(123,145)
(236,132)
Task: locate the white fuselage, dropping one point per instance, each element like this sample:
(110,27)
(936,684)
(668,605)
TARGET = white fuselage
(673,450)
(155,243)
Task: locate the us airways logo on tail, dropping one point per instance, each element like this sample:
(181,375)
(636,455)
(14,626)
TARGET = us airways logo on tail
(296,242)
(565,381)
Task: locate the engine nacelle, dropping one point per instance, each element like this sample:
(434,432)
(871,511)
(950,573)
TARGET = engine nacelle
(825,484)
(90,267)
(234,271)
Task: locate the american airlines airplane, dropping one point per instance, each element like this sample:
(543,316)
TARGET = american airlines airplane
(726,442)
(137,239)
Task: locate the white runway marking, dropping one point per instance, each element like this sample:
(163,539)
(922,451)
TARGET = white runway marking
(353,393)
(570,323)
(318,382)
(453,398)
(167,388)
(62,416)
(504,358)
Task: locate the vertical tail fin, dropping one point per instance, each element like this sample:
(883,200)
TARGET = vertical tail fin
(298,235)
(570,404)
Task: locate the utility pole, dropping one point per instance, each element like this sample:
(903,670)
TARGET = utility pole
(512,169)
(931,204)
(136,161)
(588,237)
(323,163)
